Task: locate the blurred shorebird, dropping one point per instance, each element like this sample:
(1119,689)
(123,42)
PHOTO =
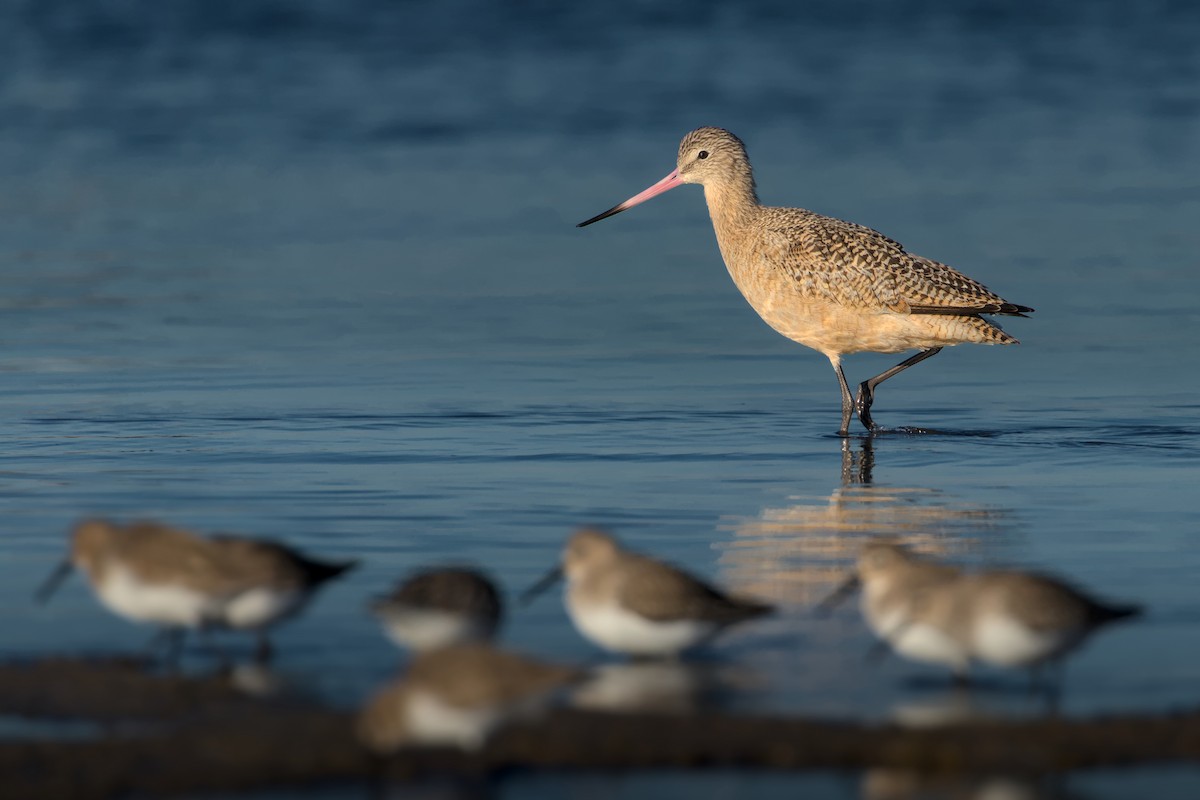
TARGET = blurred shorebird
(439,607)
(831,285)
(896,586)
(630,603)
(1004,618)
(458,696)
(1020,619)
(152,573)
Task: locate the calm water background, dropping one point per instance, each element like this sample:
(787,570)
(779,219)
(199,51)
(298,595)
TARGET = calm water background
(308,270)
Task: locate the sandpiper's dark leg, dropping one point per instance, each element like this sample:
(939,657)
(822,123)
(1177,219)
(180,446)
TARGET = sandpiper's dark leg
(1053,686)
(1035,679)
(264,652)
(214,647)
(866,389)
(171,641)
(847,401)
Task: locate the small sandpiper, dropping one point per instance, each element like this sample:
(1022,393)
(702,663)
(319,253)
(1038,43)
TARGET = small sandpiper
(896,586)
(1020,619)
(1005,618)
(439,607)
(459,696)
(149,572)
(630,603)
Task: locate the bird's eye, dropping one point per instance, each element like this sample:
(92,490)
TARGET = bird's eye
(702,154)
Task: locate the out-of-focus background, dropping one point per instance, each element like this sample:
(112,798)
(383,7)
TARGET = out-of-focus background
(309,270)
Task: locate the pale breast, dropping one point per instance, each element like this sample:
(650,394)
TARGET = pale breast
(123,592)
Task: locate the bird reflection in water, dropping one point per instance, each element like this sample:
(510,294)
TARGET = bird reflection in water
(796,554)
(663,686)
(458,696)
(459,688)
(898,784)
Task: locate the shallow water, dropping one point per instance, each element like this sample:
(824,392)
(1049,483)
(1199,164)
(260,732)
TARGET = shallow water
(309,272)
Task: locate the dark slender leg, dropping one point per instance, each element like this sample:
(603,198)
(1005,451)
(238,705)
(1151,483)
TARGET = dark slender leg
(1053,687)
(866,389)
(172,644)
(847,402)
(264,652)
(214,648)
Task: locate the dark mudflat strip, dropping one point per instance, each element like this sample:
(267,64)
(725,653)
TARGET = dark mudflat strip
(201,735)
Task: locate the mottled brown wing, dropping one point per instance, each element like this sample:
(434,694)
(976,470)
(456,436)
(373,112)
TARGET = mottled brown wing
(934,288)
(834,261)
(1042,602)
(663,593)
(848,264)
(257,562)
(172,555)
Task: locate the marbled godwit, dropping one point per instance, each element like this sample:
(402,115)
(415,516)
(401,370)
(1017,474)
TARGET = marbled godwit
(831,285)
(631,603)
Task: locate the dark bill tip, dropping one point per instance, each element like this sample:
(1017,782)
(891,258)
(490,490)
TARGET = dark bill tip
(847,588)
(52,582)
(545,582)
(617,209)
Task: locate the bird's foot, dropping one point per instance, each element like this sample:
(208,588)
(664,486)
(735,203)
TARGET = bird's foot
(862,405)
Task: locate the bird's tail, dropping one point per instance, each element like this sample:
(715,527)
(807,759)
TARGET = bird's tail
(321,571)
(1102,614)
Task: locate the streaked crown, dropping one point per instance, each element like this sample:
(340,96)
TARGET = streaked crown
(713,155)
(589,548)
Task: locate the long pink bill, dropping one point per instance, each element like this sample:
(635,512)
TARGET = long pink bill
(666,184)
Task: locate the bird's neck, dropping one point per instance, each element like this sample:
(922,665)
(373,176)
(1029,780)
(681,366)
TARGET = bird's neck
(731,205)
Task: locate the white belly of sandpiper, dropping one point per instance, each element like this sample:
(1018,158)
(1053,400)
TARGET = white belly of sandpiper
(929,644)
(892,620)
(428,630)
(127,595)
(259,608)
(1005,642)
(622,631)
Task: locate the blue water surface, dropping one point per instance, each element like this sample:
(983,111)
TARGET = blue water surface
(308,270)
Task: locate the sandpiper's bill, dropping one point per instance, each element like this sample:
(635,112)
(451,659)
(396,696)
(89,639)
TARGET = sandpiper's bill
(630,603)
(459,696)
(150,572)
(439,607)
